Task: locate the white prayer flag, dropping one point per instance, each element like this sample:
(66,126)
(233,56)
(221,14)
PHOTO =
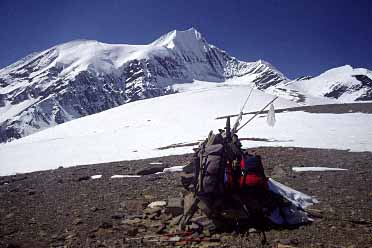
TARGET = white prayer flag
(271,116)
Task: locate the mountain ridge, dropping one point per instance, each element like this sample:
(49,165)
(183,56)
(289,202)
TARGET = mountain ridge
(83,77)
(343,84)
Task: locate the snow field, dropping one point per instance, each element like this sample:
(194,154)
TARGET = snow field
(136,130)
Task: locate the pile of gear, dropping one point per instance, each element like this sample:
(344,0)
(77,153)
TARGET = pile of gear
(227,191)
(229,186)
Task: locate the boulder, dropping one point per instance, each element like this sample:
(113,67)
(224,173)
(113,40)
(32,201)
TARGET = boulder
(175,206)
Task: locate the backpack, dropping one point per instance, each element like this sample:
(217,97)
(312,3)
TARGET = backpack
(213,166)
(252,172)
(208,165)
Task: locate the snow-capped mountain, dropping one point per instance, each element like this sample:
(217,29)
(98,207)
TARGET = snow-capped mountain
(84,77)
(342,84)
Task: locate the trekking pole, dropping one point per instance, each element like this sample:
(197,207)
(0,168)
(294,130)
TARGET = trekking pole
(237,122)
(249,215)
(259,112)
(188,214)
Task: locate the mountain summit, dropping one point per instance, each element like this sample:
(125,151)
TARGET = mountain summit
(188,38)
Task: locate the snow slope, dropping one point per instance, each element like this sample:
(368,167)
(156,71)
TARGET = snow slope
(135,130)
(343,84)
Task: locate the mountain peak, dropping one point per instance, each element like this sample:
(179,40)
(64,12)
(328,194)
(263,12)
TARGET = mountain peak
(190,33)
(184,39)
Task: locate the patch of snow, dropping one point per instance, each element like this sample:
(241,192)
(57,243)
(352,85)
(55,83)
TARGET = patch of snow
(177,168)
(174,169)
(156,163)
(125,176)
(96,176)
(156,204)
(301,169)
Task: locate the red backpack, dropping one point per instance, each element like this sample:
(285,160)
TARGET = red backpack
(252,172)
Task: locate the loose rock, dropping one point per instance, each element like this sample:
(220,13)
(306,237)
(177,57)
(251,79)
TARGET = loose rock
(175,206)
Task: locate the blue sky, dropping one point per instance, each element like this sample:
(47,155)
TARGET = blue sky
(298,37)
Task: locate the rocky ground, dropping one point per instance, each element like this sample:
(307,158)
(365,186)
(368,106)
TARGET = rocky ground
(67,208)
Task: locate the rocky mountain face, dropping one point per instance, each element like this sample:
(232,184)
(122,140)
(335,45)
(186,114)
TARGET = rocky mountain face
(84,77)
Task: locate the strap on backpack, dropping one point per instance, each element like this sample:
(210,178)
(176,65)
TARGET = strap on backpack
(201,168)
